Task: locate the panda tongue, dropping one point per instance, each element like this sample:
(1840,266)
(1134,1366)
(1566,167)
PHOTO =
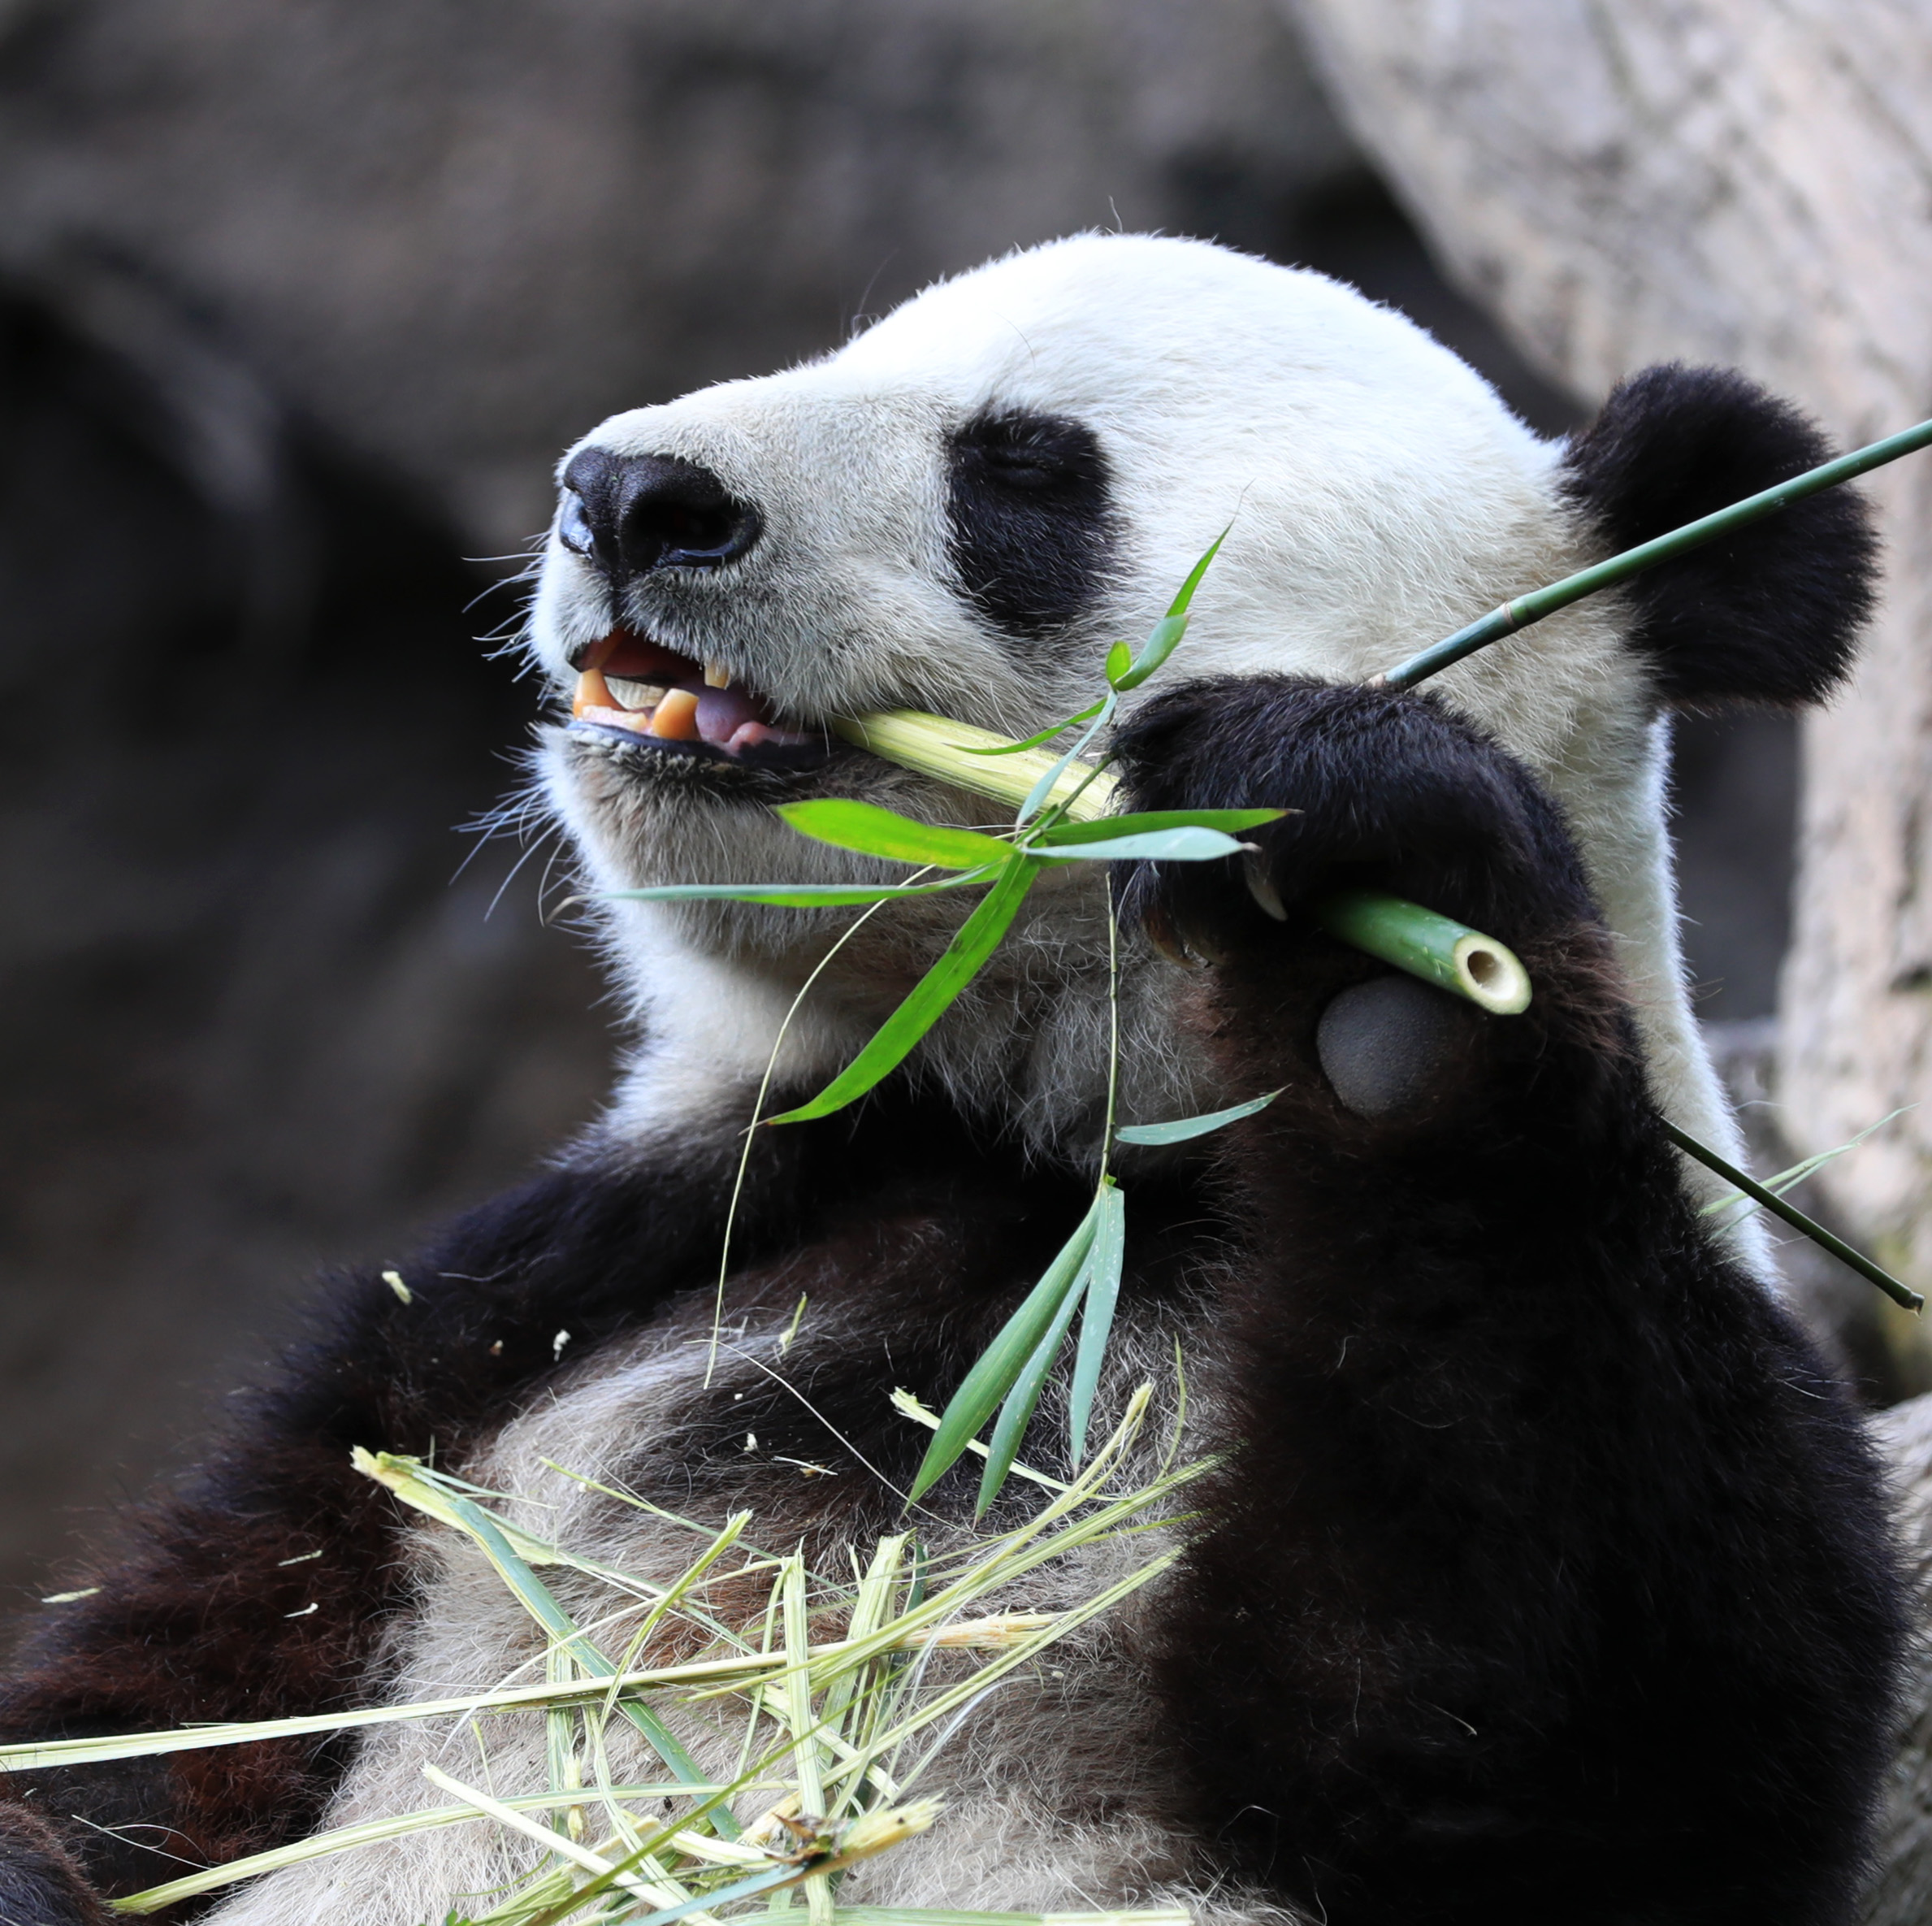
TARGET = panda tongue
(722,713)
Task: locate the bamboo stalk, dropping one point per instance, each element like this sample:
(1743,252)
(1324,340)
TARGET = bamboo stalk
(1769,1200)
(1425,943)
(1437,948)
(1539,602)
(934,746)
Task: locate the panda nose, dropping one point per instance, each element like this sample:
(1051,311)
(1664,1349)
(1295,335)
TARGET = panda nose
(631,514)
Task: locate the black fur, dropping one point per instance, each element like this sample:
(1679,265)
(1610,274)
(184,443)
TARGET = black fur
(1548,1577)
(1552,1580)
(1030,519)
(1770,615)
(192,1622)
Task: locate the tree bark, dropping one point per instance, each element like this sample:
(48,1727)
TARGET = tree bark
(1747,182)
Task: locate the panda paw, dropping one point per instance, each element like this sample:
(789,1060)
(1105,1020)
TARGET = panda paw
(1386,789)
(40,1884)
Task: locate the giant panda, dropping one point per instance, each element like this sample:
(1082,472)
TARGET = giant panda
(1545,1574)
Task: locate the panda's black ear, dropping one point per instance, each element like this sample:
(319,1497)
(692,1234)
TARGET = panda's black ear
(1769,615)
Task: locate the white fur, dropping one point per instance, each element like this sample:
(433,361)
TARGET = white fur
(1380,496)
(1010,1838)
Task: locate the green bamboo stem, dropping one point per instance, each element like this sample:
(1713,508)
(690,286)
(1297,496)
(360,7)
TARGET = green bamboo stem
(1435,947)
(1540,602)
(1771,1201)
(1448,954)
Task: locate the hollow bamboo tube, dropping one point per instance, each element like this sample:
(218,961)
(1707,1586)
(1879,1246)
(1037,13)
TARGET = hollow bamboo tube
(1435,947)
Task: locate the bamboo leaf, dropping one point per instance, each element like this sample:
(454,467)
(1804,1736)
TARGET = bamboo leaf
(1015,1414)
(846,824)
(1120,659)
(1789,1179)
(1186,844)
(1002,1361)
(1231,821)
(1104,1264)
(930,999)
(1184,1127)
(1050,777)
(793,895)
(1168,630)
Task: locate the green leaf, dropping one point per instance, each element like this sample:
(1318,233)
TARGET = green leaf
(1120,659)
(793,896)
(1104,828)
(1049,778)
(1033,742)
(1167,631)
(1789,1180)
(864,826)
(992,1377)
(929,998)
(1156,845)
(1104,1263)
(1014,1414)
(1184,1127)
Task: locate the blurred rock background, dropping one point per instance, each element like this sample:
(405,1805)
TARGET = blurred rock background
(298,304)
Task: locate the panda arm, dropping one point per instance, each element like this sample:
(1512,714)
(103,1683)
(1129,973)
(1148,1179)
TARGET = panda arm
(1545,1541)
(262,1590)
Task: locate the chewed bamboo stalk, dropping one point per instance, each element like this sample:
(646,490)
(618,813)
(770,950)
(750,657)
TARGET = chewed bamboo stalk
(1427,944)
(1001,1633)
(932,746)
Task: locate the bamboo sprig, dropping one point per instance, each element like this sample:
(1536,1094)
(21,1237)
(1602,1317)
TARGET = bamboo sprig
(847,1713)
(1540,602)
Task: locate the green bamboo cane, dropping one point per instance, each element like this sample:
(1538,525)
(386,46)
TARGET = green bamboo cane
(1539,602)
(1432,947)
(1771,1201)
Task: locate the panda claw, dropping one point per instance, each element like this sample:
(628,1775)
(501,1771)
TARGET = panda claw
(1262,888)
(1160,930)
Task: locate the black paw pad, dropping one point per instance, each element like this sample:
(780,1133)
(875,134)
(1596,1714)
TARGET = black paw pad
(1386,1044)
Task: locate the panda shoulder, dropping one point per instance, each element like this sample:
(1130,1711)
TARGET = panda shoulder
(1770,615)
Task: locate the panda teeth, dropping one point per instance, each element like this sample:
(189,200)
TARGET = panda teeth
(636,694)
(717,676)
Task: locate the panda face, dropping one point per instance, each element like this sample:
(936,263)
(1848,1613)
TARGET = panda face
(957,512)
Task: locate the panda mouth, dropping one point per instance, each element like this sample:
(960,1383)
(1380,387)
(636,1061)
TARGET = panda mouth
(639,693)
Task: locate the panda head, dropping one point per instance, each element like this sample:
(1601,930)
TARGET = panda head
(960,510)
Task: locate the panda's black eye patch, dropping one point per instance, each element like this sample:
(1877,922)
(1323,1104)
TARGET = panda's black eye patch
(1030,519)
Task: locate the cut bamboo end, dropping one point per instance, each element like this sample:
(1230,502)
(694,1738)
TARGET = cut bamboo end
(1489,974)
(934,746)
(1427,944)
